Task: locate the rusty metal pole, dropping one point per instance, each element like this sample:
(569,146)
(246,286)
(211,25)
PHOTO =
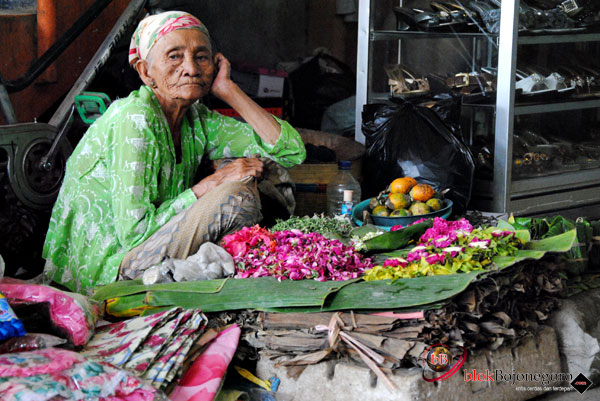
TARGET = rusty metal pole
(47,34)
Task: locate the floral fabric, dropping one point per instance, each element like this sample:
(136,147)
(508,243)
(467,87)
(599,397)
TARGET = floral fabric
(154,27)
(56,374)
(153,347)
(122,182)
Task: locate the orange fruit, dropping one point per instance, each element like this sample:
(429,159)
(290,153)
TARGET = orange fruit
(422,192)
(380,211)
(419,208)
(402,185)
(400,213)
(397,201)
(434,204)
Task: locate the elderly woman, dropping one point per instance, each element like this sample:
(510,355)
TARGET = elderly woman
(128,199)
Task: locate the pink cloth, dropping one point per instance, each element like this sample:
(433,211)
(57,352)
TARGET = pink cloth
(58,374)
(69,311)
(202,380)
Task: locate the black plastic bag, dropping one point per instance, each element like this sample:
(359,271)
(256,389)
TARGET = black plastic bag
(317,84)
(411,140)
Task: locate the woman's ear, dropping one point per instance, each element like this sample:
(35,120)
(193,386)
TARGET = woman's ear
(142,69)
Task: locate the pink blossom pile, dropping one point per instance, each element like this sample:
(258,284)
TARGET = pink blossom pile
(444,232)
(293,255)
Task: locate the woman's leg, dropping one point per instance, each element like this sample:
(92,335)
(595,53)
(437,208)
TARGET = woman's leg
(226,209)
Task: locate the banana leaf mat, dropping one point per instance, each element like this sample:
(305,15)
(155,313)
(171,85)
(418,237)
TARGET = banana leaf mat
(128,298)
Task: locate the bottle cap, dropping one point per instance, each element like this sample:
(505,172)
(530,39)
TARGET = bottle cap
(344,164)
(348,195)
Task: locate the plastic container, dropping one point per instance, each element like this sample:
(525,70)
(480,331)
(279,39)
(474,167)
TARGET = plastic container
(343,181)
(10,325)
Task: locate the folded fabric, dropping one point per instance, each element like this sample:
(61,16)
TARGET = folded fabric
(202,380)
(73,315)
(57,374)
(152,347)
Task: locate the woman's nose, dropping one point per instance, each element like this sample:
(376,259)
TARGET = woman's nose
(190,66)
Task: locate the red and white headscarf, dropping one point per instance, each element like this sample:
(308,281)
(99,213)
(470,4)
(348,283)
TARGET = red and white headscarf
(154,27)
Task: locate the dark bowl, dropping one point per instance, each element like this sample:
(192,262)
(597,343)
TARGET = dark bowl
(387,222)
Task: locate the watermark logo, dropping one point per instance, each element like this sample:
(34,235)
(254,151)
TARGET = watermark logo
(438,358)
(581,383)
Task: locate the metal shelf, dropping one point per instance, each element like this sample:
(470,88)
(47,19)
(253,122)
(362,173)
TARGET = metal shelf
(396,35)
(555,182)
(554,107)
(525,109)
(523,39)
(558,38)
(558,182)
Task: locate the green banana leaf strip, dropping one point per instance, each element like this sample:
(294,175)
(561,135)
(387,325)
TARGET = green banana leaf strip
(558,243)
(435,305)
(124,306)
(374,295)
(502,262)
(401,293)
(398,239)
(252,293)
(130,287)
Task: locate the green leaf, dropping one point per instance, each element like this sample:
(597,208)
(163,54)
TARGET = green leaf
(401,293)
(398,239)
(128,306)
(365,229)
(251,293)
(523,235)
(557,243)
(511,224)
(502,262)
(129,287)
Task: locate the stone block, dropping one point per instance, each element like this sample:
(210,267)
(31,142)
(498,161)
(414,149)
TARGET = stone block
(578,333)
(346,381)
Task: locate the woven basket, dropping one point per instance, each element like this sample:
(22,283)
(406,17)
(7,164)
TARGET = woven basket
(312,178)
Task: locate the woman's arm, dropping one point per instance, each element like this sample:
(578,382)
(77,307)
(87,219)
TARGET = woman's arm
(228,91)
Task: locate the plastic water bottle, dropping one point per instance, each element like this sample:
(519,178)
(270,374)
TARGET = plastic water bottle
(343,181)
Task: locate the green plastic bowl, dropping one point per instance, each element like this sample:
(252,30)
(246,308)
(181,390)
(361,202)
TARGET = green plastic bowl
(388,222)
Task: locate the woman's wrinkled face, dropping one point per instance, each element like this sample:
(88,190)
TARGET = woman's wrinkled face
(181,66)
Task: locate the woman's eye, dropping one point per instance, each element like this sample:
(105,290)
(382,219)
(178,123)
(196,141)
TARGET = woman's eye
(201,57)
(174,56)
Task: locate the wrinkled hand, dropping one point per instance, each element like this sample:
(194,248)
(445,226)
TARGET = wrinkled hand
(240,169)
(222,83)
(237,170)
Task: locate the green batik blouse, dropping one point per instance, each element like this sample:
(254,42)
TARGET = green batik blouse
(122,182)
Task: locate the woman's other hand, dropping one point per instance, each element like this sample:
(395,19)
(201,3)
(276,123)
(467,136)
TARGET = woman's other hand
(237,170)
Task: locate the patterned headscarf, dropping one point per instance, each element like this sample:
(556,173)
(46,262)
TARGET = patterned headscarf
(155,27)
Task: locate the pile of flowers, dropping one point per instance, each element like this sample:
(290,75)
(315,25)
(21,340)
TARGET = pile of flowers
(292,254)
(449,247)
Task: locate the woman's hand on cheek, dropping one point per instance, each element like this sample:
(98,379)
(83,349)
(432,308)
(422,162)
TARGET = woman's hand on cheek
(222,82)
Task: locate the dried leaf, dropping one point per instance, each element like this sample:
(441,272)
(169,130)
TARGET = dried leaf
(306,359)
(495,328)
(504,317)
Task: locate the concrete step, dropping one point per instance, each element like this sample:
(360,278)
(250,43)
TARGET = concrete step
(347,381)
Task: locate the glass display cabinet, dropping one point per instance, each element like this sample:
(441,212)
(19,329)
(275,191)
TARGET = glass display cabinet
(529,92)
